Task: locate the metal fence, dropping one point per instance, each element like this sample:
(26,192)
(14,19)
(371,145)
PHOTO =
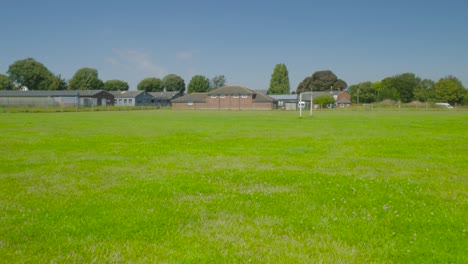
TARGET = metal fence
(48,101)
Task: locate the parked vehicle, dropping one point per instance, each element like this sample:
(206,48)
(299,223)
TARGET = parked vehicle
(446,105)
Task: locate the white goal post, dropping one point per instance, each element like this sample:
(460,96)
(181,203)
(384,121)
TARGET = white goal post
(302,103)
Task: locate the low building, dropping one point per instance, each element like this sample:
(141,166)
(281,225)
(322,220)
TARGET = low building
(226,98)
(163,99)
(48,98)
(132,98)
(286,101)
(343,99)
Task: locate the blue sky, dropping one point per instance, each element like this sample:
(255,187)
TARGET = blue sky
(243,40)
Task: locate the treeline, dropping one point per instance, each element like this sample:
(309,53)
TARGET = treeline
(33,75)
(408,87)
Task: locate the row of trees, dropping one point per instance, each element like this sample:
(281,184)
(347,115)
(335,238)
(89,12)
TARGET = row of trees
(404,87)
(408,87)
(173,82)
(33,75)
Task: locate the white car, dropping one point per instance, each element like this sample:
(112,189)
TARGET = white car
(446,105)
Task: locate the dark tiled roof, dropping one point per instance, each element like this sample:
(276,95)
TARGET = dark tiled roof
(48,93)
(262,98)
(233,90)
(289,97)
(164,95)
(191,98)
(126,94)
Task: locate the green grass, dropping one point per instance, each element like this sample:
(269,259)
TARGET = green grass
(237,187)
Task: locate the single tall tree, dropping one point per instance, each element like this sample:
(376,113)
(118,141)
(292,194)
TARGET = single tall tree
(151,85)
(198,84)
(279,82)
(86,79)
(174,83)
(31,74)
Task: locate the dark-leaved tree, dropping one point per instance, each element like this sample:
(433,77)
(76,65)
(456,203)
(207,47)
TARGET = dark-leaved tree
(321,81)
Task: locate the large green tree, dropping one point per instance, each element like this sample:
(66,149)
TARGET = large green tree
(449,90)
(174,83)
(218,81)
(400,87)
(279,82)
(198,84)
(363,93)
(321,81)
(116,85)
(6,83)
(86,79)
(424,91)
(31,74)
(151,85)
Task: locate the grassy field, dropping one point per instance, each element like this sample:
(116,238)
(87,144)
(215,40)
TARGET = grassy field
(236,187)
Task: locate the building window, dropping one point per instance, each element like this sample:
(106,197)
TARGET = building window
(235,96)
(190,103)
(213,96)
(222,96)
(245,96)
(130,101)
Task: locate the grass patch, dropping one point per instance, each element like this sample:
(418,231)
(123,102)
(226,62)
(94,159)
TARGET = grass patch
(214,186)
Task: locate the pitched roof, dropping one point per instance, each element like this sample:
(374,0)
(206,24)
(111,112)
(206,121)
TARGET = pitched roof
(344,98)
(234,90)
(164,95)
(49,93)
(290,97)
(262,98)
(126,94)
(191,98)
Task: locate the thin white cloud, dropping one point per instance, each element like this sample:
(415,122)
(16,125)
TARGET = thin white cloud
(137,61)
(184,56)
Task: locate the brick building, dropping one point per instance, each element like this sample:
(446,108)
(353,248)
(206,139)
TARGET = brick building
(226,98)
